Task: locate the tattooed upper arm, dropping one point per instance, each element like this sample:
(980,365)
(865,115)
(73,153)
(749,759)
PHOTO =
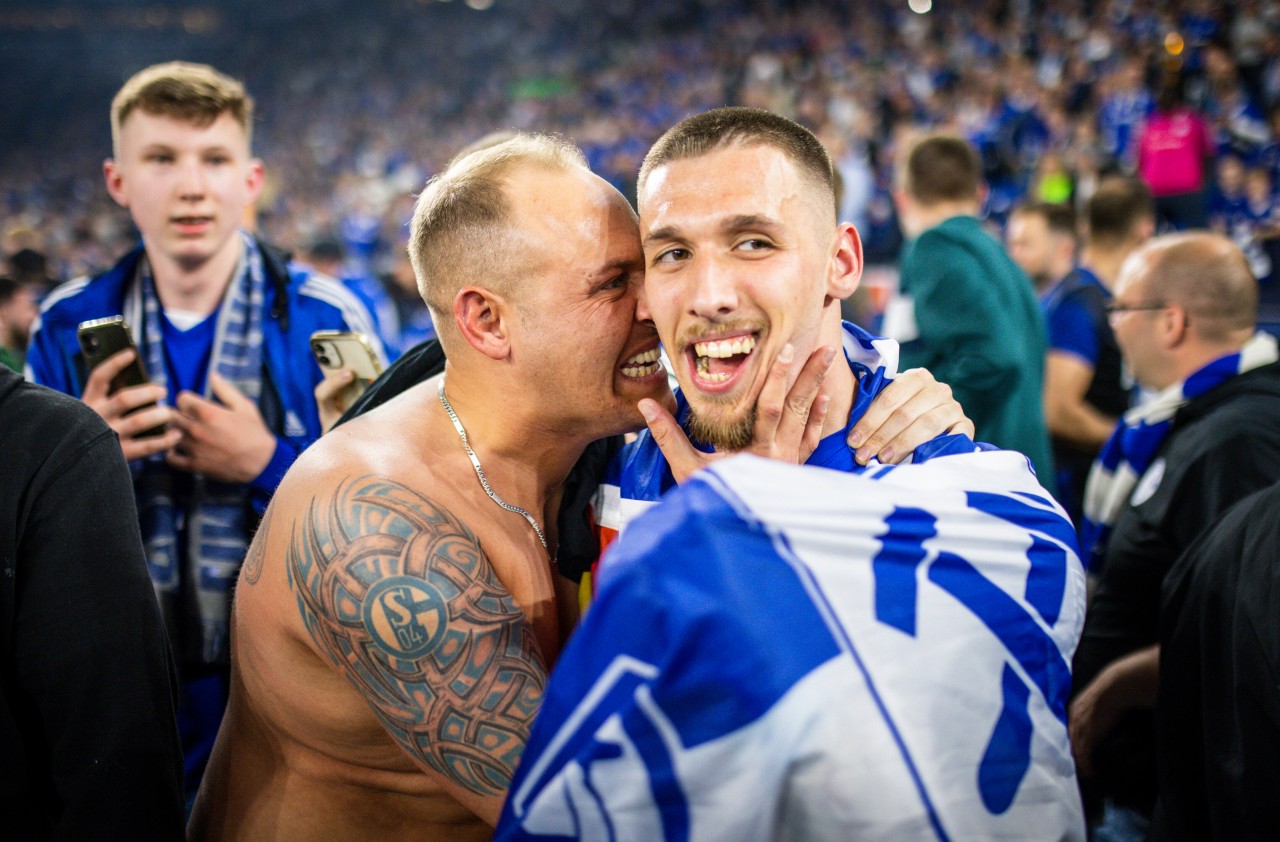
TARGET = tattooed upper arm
(398,595)
(258,550)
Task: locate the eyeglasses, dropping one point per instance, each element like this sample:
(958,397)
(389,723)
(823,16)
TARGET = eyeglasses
(1129,308)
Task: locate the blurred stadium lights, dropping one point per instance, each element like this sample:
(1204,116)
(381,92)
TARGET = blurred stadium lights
(920,7)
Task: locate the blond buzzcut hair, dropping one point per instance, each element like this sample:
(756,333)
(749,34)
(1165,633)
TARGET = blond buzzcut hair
(461,234)
(192,93)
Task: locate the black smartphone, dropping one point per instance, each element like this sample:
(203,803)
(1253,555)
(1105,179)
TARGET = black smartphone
(102,338)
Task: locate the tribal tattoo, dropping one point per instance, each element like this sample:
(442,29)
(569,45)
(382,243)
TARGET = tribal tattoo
(258,550)
(401,599)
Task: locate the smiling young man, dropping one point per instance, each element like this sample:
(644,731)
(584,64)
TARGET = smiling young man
(222,325)
(781,651)
(743,271)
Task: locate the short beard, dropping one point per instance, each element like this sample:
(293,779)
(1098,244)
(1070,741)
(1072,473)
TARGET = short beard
(725,436)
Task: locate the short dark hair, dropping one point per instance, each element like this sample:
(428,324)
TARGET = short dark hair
(722,128)
(1116,208)
(8,286)
(942,168)
(28,263)
(1058,218)
(325,247)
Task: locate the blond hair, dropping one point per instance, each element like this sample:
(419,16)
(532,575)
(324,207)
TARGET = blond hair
(461,232)
(192,93)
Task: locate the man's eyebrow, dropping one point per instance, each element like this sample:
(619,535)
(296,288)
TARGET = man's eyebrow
(666,232)
(732,224)
(609,268)
(164,146)
(744,222)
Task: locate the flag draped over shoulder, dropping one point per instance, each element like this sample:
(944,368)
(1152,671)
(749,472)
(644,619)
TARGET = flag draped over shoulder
(788,652)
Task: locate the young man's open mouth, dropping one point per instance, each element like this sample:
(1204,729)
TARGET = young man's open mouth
(716,363)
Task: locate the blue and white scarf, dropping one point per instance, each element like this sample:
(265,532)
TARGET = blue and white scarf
(1137,438)
(217,519)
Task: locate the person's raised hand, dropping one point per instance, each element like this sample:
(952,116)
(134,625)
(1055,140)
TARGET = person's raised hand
(788,421)
(331,397)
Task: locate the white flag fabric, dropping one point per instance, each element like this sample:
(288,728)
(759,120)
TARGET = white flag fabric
(780,652)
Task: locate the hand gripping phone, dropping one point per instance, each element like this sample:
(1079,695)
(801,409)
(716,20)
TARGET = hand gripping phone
(102,338)
(335,350)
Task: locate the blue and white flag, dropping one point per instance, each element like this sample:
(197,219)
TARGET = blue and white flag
(781,652)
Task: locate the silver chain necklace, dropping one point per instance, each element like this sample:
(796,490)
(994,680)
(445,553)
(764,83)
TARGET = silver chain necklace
(484,482)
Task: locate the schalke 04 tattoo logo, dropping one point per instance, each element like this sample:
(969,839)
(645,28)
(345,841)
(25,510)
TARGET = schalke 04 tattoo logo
(406,616)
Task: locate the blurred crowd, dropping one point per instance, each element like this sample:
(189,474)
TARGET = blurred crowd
(1130,116)
(357,108)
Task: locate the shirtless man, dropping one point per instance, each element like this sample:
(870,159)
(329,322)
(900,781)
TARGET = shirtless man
(393,625)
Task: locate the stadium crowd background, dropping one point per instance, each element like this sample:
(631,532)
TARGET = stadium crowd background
(360,102)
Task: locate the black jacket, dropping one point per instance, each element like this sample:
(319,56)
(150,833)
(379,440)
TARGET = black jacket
(1218,712)
(1223,446)
(89,744)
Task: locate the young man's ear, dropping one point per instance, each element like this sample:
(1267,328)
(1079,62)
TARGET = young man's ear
(480,315)
(255,178)
(115,182)
(845,270)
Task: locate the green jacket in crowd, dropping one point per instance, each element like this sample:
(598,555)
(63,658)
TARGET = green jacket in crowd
(980,331)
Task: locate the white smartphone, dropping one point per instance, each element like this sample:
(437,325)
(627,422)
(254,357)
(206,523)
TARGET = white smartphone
(335,350)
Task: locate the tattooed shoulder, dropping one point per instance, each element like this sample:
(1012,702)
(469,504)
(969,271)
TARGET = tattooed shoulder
(258,550)
(397,594)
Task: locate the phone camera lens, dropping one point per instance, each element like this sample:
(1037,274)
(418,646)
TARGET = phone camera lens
(323,358)
(91,342)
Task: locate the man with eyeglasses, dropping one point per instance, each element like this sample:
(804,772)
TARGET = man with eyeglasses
(1185,318)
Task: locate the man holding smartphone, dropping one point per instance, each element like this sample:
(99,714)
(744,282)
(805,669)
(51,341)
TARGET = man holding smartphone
(222,325)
